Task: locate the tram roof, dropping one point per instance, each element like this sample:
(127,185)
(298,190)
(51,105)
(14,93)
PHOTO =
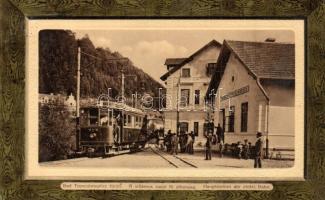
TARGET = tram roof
(117,106)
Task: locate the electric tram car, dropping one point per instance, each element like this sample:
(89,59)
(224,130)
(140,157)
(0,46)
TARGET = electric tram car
(105,131)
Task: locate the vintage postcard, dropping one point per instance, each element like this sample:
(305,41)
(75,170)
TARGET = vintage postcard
(165,99)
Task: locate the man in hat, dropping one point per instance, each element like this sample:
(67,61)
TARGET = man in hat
(258,150)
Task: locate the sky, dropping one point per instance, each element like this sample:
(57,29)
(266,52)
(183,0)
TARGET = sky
(148,49)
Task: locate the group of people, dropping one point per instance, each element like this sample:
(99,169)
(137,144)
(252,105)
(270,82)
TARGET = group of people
(184,140)
(242,150)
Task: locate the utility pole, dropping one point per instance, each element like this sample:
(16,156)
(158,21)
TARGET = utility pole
(177,107)
(123,77)
(122,112)
(267,129)
(78,102)
(108,105)
(123,102)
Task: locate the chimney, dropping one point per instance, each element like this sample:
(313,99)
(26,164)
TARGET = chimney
(270,40)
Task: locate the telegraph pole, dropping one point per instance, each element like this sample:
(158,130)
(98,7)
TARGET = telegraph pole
(78,102)
(122,112)
(267,129)
(177,106)
(123,77)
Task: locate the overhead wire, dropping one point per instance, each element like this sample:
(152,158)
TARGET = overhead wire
(106,59)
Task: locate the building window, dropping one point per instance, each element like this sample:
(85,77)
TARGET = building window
(197,97)
(185,97)
(110,115)
(186,72)
(244,117)
(211,67)
(231,124)
(136,121)
(129,119)
(183,127)
(196,128)
(222,118)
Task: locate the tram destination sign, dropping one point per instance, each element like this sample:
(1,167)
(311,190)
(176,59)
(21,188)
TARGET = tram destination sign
(234,93)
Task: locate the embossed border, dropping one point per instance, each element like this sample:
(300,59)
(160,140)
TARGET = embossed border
(12,88)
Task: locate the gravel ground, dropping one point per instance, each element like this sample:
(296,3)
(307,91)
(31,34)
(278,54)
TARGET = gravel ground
(198,159)
(144,159)
(148,159)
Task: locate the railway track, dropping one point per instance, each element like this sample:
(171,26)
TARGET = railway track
(174,160)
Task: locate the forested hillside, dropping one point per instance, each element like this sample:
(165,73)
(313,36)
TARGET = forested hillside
(58,68)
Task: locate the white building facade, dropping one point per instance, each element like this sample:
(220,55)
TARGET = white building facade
(255,92)
(187,82)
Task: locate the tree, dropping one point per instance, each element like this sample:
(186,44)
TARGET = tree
(56,132)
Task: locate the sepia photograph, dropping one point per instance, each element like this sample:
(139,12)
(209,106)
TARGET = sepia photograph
(166,99)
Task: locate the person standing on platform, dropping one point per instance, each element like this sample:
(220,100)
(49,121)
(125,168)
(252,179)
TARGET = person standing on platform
(220,133)
(246,150)
(193,140)
(192,136)
(167,141)
(182,141)
(258,151)
(189,144)
(208,146)
(174,144)
(220,136)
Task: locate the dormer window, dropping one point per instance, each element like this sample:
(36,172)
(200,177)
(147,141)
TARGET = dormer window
(186,72)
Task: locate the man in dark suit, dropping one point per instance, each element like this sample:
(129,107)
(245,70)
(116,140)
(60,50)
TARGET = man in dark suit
(220,133)
(258,151)
(220,136)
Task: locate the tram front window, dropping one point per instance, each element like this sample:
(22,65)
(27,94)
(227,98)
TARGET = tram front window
(110,118)
(93,116)
(104,118)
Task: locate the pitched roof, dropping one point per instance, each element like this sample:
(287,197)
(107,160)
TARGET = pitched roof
(174,61)
(170,72)
(266,59)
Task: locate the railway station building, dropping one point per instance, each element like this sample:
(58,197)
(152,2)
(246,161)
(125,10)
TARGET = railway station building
(187,81)
(253,89)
